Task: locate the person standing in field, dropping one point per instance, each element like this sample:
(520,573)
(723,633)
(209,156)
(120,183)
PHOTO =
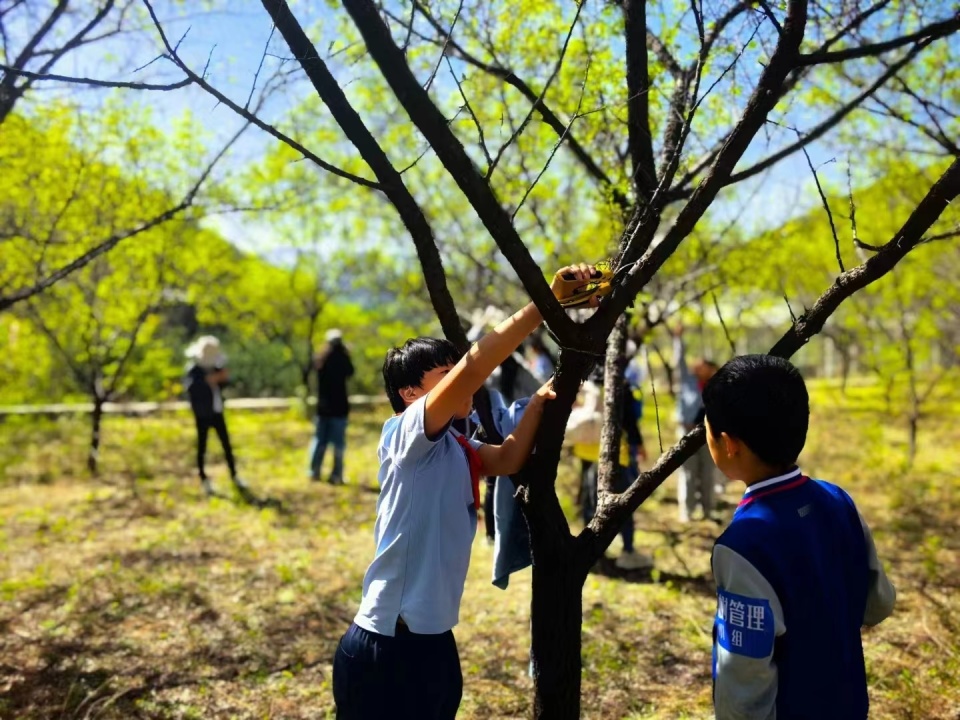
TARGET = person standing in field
(334,368)
(697,476)
(206,377)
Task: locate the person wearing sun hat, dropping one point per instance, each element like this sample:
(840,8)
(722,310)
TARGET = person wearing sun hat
(206,376)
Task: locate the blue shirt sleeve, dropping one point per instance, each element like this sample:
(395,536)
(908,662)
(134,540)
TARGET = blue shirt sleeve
(406,441)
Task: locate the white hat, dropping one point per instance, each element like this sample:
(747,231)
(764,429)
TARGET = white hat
(205,351)
(333,334)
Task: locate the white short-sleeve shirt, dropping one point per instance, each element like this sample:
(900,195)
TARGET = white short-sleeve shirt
(424,531)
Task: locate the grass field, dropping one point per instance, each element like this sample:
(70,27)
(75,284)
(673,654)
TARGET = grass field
(133,597)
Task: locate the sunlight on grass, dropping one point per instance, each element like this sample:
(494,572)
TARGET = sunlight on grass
(133,595)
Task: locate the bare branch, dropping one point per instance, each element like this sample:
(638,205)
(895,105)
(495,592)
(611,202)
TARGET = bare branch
(469,109)
(430,121)
(662,52)
(855,23)
(511,79)
(546,86)
(390,181)
(826,203)
(656,403)
(853,212)
(613,399)
(682,190)
(761,102)
(251,117)
(726,332)
(97,83)
(639,140)
(948,235)
(115,239)
(443,49)
(771,17)
(721,25)
(576,116)
(945,190)
(930,32)
(256,75)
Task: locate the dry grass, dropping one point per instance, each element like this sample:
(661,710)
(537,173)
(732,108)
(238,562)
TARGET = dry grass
(132,597)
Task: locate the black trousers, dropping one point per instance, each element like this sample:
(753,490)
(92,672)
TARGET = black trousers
(217,422)
(488,521)
(376,677)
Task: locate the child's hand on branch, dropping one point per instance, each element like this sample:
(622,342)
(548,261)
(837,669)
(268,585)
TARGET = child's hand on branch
(545,393)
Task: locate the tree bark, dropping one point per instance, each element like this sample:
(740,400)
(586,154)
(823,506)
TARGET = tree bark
(93,456)
(556,612)
(559,563)
(913,429)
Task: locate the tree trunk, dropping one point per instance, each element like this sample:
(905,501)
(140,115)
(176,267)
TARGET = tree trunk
(559,565)
(96,419)
(556,619)
(845,362)
(913,429)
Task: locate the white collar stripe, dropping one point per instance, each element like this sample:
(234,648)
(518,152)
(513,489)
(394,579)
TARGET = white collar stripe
(792,475)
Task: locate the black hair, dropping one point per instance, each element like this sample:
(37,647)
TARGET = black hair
(406,365)
(762,401)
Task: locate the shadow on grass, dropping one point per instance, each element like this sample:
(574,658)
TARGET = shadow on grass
(99,672)
(699,584)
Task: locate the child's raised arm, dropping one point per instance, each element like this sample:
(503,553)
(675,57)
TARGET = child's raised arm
(457,387)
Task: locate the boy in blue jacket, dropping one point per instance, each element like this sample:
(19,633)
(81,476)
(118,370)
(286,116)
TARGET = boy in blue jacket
(797,571)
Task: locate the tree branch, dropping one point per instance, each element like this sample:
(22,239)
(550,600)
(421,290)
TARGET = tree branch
(469,109)
(432,124)
(826,205)
(546,114)
(640,140)
(390,181)
(543,93)
(761,102)
(933,31)
(612,432)
(599,534)
(85,259)
(249,116)
(97,83)
(681,189)
(658,47)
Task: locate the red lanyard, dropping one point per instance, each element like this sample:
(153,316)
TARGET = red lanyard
(476,465)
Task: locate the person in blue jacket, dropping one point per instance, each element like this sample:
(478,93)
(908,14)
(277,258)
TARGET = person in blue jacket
(797,571)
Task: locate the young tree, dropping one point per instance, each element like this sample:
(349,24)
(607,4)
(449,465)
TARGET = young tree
(710,75)
(100,320)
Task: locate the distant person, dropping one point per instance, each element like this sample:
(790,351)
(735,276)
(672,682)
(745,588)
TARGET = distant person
(797,571)
(697,476)
(206,377)
(635,374)
(541,363)
(583,431)
(399,657)
(333,368)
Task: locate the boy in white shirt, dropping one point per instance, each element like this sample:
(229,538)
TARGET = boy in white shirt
(399,657)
